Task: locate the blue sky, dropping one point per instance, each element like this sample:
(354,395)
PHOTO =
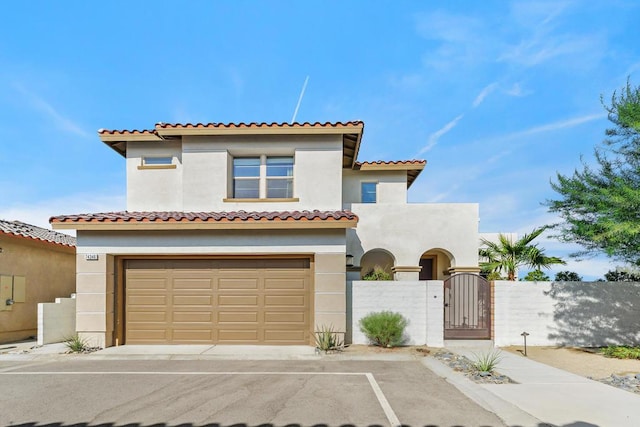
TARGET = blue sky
(497,96)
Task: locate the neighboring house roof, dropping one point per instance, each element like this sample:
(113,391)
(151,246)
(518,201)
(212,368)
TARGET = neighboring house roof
(351,133)
(21,229)
(204,220)
(413,167)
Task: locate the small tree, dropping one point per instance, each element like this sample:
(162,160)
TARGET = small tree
(536,276)
(620,275)
(567,276)
(507,256)
(599,204)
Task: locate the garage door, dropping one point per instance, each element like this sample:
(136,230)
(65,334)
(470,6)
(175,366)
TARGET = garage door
(233,301)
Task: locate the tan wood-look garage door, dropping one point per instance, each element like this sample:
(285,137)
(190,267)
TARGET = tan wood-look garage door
(218,301)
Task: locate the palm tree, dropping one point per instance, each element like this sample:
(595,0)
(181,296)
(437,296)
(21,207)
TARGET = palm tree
(507,255)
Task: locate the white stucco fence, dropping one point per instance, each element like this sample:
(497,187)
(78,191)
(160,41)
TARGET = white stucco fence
(56,320)
(589,314)
(567,313)
(417,301)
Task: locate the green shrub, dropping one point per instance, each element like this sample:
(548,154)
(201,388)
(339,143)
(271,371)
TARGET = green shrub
(328,339)
(487,362)
(75,344)
(378,273)
(384,328)
(621,352)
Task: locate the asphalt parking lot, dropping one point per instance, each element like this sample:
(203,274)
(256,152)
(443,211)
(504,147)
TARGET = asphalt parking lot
(231,393)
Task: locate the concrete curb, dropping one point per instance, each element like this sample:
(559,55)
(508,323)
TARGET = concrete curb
(507,412)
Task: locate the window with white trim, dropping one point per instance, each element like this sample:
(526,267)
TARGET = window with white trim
(264,177)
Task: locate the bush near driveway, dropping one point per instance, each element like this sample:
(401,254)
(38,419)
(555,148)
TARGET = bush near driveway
(384,328)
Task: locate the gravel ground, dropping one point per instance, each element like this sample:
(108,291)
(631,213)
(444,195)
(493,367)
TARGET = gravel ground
(587,362)
(462,364)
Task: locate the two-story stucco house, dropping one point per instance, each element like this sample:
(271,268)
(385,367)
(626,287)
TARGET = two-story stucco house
(248,234)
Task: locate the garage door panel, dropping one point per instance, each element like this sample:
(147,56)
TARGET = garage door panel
(236,301)
(225,317)
(144,335)
(285,300)
(285,317)
(285,284)
(193,283)
(147,300)
(150,283)
(193,316)
(192,335)
(237,335)
(275,336)
(200,300)
(250,283)
(147,316)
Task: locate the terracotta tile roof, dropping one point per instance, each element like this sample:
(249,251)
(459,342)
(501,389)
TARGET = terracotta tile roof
(241,125)
(21,229)
(394,162)
(239,216)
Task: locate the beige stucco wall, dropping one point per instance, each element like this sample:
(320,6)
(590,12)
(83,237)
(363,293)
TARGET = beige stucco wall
(202,177)
(49,270)
(409,230)
(96,280)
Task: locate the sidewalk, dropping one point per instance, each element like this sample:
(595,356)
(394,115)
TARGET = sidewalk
(551,395)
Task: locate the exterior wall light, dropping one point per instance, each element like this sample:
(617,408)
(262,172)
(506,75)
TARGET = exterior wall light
(349,260)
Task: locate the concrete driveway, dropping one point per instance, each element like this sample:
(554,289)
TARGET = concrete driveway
(225,393)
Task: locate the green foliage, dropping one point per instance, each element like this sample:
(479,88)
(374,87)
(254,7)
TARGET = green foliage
(536,276)
(621,352)
(619,275)
(378,273)
(384,328)
(494,275)
(75,344)
(600,204)
(487,362)
(567,276)
(328,339)
(506,256)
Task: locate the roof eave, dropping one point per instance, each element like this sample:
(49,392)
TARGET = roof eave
(204,225)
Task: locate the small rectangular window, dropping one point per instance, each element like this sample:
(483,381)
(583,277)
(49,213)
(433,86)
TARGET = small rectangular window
(156,161)
(368,192)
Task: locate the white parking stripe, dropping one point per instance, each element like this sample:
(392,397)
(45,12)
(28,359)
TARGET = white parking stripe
(386,407)
(382,400)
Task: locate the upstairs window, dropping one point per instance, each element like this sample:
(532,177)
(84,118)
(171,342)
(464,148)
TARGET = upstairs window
(279,177)
(368,192)
(157,162)
(263,177)
(246,178)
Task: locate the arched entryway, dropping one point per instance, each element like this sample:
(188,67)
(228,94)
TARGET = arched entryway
(377,260)
(435,264)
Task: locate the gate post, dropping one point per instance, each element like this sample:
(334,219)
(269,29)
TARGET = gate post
(435,313)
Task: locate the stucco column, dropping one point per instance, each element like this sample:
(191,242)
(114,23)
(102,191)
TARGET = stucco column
(330,296)
(406,272)
(95,298)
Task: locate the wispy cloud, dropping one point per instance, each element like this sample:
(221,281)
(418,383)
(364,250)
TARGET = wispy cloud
(484,93)
(58,119)
(434,137)
(550,127)
(517,90)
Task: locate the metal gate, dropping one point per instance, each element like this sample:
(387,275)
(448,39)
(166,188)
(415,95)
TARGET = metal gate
(467,307)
